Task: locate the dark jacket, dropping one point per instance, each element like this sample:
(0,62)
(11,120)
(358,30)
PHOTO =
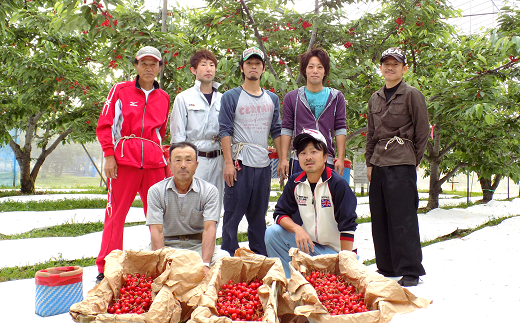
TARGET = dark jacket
(398,129)
(328,215)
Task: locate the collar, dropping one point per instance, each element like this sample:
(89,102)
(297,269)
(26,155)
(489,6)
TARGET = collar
(400,89)
(195,187)
(325,176)
(215,85)
(155,83)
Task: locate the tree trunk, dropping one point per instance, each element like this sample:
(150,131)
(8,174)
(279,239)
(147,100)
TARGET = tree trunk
(489,186)
(23,154)
(435,185)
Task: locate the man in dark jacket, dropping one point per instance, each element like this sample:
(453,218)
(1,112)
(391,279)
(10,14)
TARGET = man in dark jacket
(396,139)
(314,106)
(317,209)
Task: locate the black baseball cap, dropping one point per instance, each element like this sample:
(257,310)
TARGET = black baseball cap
(394,52)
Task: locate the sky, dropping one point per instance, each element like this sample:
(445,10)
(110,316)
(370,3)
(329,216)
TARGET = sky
(476,14)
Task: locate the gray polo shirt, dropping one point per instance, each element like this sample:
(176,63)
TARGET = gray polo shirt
(200,204)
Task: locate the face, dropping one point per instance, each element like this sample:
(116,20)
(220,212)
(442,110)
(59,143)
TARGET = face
(312,160)
(315,71)
(148,69)
(183,163)
(205,71)
(392,69)
(253,68)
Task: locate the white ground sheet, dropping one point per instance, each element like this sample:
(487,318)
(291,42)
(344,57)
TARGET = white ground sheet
(473,279)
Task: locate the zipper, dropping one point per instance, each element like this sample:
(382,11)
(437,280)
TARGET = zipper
(315,213)
(142,126)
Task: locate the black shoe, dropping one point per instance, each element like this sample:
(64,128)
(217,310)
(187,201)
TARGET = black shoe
(99,278)
(408,280)
(384,273)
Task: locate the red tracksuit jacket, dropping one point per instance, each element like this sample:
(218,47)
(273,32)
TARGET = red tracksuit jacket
(131,127)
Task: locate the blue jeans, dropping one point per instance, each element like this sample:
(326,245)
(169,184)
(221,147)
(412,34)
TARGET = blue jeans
(278,241)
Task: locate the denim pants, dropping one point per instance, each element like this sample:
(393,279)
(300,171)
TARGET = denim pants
(278,241)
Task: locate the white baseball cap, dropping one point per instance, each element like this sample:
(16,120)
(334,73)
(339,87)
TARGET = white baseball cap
(148,51)
(308,133)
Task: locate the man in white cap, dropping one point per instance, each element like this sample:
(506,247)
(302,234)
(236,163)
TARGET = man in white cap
(248,115)
(130,130)
(316,212)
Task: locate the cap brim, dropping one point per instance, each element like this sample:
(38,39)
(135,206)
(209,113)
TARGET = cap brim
(147,55)
(300,137)
(249,56)
(390,55)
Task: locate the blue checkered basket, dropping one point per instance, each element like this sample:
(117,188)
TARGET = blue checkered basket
(57,289)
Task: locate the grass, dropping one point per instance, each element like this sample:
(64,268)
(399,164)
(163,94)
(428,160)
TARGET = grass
(460,233)
(63,230)
(240,236)
(25,272)
(62,204)
(457,234)
(275,198)
(12,192)
(462,205)
(459,193)
(67,181)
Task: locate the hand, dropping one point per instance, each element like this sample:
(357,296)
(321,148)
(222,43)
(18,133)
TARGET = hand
(417,168)
(369,174)
(110,167)
(283,169)
(230,174)
(339,166)
(303,240)
(206,269)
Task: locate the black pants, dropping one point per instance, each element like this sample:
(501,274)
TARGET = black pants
(395,229)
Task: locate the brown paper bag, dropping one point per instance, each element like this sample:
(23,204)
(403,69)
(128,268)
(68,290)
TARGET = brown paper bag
(177,271)
(243,267)
(383,296)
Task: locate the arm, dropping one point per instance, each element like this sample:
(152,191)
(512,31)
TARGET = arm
(421,124)
(283,164)
(347,245)
(157,236)
(340,130)
(208,242)
(155,217)
(226,119)
(162,130)
(286,136)
(230,173)
(104,131)
(178,120)
(340,163)
(370,143)
(285,209)
(303,240)
(345,203)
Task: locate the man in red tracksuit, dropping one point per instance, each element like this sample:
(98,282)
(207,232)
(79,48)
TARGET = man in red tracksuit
(130,130)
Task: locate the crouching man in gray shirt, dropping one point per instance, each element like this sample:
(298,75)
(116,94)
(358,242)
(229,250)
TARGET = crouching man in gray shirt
(183,210)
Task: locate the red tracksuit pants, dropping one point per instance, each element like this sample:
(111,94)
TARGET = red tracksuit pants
(121,194)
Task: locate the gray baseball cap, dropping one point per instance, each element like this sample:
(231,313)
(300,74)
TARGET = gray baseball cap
(148,51)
